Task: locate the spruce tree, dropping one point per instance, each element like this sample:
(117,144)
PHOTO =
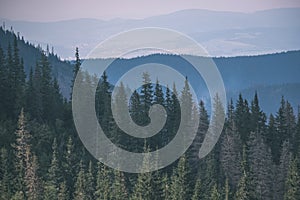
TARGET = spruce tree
(32,181)
(36,98)
(119,190)
(243,190)
(80,185)
(145,184)
(46,88)
(197,190)
(3,83)
(242,118)
(76,68)
(227,189)
(292,185)
(146,97)
(54,174)
(258,118)
(158,94)
(104,184)
(179,182)
(90,185)
(281,171)
(70,165)
(63,193)
(215,194)
(165,184)
(5,176)
(20,147)
(259,157)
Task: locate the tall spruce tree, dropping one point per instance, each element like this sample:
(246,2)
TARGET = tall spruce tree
(20,147)
(32,181)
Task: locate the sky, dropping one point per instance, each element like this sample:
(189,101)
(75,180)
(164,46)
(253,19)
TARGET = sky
(56,10)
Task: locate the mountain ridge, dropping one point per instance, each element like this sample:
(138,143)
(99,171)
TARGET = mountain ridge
(221,33)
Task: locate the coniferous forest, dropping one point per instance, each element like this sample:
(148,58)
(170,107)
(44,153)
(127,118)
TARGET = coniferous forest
(42,157)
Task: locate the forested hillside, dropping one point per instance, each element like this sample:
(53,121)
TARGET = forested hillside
(29,53)
(42,157)
(273,75)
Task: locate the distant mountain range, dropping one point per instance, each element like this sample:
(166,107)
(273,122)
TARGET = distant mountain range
(272,76)
(221,33)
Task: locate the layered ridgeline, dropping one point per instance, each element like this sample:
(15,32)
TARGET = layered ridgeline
(272,76)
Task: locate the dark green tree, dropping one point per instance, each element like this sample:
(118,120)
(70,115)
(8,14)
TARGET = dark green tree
(104,184)
(292,185)
(119,190)
(80,192)
(179,182)
(20,147)
(197,190)
(5,177)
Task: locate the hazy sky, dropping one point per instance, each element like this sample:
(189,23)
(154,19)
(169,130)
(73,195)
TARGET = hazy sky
(54,10)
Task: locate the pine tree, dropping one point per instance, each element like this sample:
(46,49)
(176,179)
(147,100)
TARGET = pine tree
(281,171)
(54,174)
(202,130)
(9,98)
(90,189)
(77,63)
(19,78)
(70,165)
(258,118)
(230,156)
(80,185)
(63,193)
(135,108)
(242,117)
(46,88)
(297,136)
(119,191)
(259,157)
(5,176)
(32,181)
(227,189)
(179,184)
(197,190)
(57,104)
(146,97)
(243,191)
(103,186)
(36,98)
(215,195)
(165,184)
(76,69)
(271,139)
(20,147)
(103,103)
(158,94)
(3,83)
(145,184)
(292,185)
